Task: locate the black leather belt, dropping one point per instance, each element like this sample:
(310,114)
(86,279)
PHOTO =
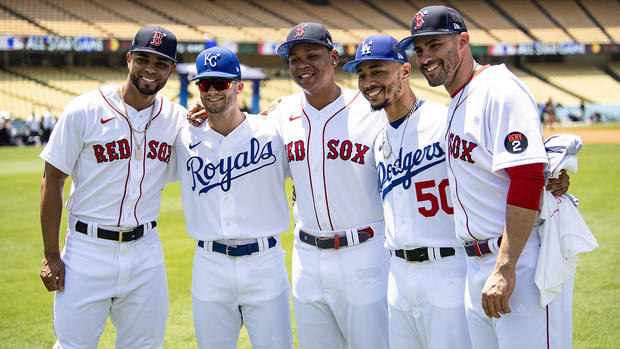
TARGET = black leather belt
(120,236)
(334,242)
(422,254)
(479,248)
(239,250)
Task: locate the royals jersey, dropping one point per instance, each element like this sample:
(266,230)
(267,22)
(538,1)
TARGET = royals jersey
(493,124)
(112,183)
(413,178)
(331,160)
(232,186)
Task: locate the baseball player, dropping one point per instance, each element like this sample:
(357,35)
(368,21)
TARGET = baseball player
(495,165)
(115,142)
(339,265)
(427,268)
(232,170)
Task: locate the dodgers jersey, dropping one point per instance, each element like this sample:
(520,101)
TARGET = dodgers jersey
(493,124)
(331,160)
(93,143)
(232,187)
(413,180)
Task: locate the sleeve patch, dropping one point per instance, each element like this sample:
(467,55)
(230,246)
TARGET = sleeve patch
(515,142)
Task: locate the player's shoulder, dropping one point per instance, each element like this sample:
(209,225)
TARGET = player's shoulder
(88,103)
(288,105)
(501,83)
(171,111)
(260,126)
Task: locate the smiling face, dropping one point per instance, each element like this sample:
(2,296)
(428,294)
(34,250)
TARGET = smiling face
(438,58)
(312,66)
(217,102)
(380,81)
(149,72)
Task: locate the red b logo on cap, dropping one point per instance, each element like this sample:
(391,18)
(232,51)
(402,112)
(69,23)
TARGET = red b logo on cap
(299,31)
(419,20)
(156,39)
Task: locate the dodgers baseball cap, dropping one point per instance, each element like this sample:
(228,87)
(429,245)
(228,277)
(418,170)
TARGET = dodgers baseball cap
(155,39)
(217,62)
(378,48)
(435,20)
(314,33)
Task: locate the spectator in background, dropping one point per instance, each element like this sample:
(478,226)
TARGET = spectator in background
(596,117)
(34,126)
(548,114)
(5,132)
(47,124)
(580,114)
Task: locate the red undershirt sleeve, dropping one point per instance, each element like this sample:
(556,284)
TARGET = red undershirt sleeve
(526,185)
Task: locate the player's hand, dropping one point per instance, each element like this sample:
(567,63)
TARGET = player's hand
(272,106)
(53,274)
(497,291)
(197,114)
(559,186)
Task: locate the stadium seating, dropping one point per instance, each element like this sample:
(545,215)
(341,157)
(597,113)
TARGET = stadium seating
(585,80)
(24,89)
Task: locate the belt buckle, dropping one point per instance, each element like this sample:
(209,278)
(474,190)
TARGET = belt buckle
(227,252)
(120,235)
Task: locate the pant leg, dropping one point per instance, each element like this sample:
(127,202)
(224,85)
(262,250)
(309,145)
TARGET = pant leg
(354,280)
(81,310)
(216,324)
(269,323)
(316,326)
(527,324)
(140,310)
(401,324)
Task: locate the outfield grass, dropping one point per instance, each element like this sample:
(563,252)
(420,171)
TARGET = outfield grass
(26,307)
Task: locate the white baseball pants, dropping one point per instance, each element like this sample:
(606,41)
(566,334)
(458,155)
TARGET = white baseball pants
(425,302)
(529,325)
(340,296)
(229,292)
(126,281)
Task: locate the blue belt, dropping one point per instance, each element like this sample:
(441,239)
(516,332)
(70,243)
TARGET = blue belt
(239,250)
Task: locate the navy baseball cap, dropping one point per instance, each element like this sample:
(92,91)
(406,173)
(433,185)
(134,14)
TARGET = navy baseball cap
(378,48)
(217,62)
(155,39)
(435,20)
(314,33)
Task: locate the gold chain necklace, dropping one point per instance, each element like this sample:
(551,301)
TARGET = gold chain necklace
(138,153)
(385,136)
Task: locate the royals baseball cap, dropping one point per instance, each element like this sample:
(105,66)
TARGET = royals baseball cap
(314,33)
(217,62)
(378,48)
(435,20)
(155,39)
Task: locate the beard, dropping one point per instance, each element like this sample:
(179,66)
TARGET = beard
(448,67)
(135,80)
(392,92)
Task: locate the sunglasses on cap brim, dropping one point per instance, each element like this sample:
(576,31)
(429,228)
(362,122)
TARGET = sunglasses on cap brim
(219,84)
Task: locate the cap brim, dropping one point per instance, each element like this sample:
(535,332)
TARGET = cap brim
(406,42)
(215,74)
(153,51)
(351,67)
(285,47)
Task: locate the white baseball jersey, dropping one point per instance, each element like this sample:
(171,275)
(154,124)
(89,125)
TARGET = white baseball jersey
(232,186)
(93,143)
(113,186)
(331,160)
(411,164)
(493,124)
(338,294)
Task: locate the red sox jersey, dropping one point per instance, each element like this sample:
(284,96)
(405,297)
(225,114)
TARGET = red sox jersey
(331,160)
(93,142)
(411,165)
(232,186)
(493,124)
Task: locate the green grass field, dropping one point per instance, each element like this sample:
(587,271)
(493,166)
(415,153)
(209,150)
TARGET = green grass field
(26,307)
